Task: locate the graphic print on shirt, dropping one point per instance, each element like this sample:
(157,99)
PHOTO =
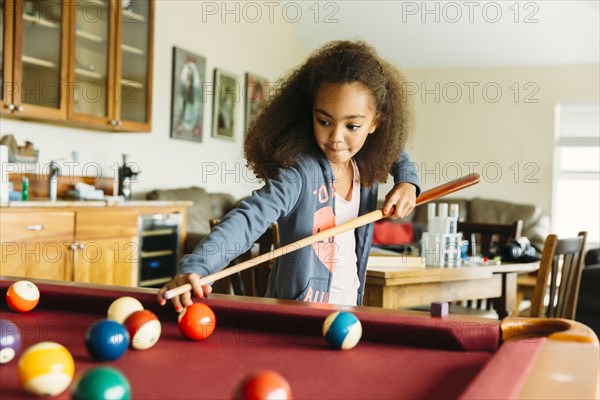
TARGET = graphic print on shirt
(324,218)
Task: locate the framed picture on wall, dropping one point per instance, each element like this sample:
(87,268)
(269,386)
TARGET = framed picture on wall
(256,92)
(187,107)
(226,96)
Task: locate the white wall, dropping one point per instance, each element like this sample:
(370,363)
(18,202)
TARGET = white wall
(507,136)
(266,48)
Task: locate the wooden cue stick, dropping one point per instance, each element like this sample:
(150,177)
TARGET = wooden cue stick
(427,196)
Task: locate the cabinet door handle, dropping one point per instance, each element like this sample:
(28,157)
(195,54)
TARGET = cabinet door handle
(73,246)
(11,107)
(20,108)
(81,246)
(113,122)
(35,227)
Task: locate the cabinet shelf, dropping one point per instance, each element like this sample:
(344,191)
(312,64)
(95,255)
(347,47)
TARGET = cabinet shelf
(159,253)
(133,50)
(97,3)
(132,15)
(132,84)
(37,61)
(37,20)
(157,232)
(89,36)
(88,74)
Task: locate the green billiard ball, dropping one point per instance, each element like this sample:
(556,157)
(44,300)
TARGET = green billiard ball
(102,383)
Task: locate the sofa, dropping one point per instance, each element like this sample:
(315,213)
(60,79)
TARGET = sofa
(206,206)
(536,225)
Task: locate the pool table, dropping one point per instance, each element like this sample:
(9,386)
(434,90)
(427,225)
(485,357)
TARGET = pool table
(401,354)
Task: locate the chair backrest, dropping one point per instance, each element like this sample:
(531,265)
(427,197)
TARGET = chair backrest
(254,281)
(560,276)
(487,236)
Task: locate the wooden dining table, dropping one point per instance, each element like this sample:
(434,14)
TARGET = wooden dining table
(404,281)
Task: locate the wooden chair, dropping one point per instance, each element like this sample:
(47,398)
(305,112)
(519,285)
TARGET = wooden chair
(485,239)
(253,281)
(559,277)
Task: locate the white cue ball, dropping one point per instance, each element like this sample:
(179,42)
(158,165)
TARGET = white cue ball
(122,308)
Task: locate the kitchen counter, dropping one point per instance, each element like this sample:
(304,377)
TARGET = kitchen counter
(45,203)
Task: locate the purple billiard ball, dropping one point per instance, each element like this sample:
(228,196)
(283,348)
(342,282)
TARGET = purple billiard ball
(10,341)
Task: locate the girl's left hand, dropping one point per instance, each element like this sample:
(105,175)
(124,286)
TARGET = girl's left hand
(403,197)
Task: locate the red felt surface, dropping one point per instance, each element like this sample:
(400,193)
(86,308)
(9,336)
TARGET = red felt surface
(398,357)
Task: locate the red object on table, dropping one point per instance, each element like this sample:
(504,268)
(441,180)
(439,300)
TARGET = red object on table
(263,385)
(401,354)
(390,233)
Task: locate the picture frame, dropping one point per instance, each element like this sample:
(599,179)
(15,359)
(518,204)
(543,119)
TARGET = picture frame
(187,105)
(225,100)
(256,92)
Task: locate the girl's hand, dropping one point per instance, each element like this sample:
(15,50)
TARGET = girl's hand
(403,196)
(185,299)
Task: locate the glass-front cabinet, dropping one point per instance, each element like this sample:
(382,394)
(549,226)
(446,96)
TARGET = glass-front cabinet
(111,63)
(84,62)
(34,58)
(91,61)
(135,66)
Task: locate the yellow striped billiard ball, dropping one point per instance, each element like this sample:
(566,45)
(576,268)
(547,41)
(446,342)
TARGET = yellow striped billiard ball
(46,369)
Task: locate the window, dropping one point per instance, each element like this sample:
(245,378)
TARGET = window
(576,189)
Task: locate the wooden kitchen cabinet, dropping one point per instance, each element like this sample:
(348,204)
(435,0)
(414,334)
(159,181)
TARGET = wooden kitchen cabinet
(37,244)
(85,63)
(94,244)
(107,247)
(34,50)
(84,246)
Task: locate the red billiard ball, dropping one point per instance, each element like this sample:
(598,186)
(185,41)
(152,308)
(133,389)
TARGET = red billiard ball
(197,322)
(144,329)
(263,385)
(22,296)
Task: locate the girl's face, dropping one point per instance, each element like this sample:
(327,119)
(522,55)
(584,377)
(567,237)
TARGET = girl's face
(343,117)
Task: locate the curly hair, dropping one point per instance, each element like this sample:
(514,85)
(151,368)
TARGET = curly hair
(283,130)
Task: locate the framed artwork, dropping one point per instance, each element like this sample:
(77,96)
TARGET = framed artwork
(187,107)
(224,105)
(255,94)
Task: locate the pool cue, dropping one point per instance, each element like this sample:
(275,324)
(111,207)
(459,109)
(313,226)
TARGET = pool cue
(425,197)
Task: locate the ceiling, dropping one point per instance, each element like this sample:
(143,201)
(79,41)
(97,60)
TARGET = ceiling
(418,34)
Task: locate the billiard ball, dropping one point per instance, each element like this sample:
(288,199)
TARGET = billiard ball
(122,308)
(197,322)
(342,330)
(263,385)
(10,341)
(144,329)
(22,296)
(106,340)
(45,369)
(101,383)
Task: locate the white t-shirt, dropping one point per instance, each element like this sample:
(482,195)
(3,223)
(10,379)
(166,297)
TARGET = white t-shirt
(345,283)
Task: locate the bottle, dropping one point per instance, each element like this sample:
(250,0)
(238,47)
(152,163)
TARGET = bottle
(25,189)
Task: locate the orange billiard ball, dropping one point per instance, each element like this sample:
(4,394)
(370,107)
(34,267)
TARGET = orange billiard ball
(22,296)
(197,322)
(263,385)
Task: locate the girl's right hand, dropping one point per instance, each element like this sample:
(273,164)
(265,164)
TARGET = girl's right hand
(185,299)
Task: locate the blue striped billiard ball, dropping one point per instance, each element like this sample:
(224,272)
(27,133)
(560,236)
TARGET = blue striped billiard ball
(342,330)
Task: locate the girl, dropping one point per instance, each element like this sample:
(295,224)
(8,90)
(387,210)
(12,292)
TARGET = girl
(336,126)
